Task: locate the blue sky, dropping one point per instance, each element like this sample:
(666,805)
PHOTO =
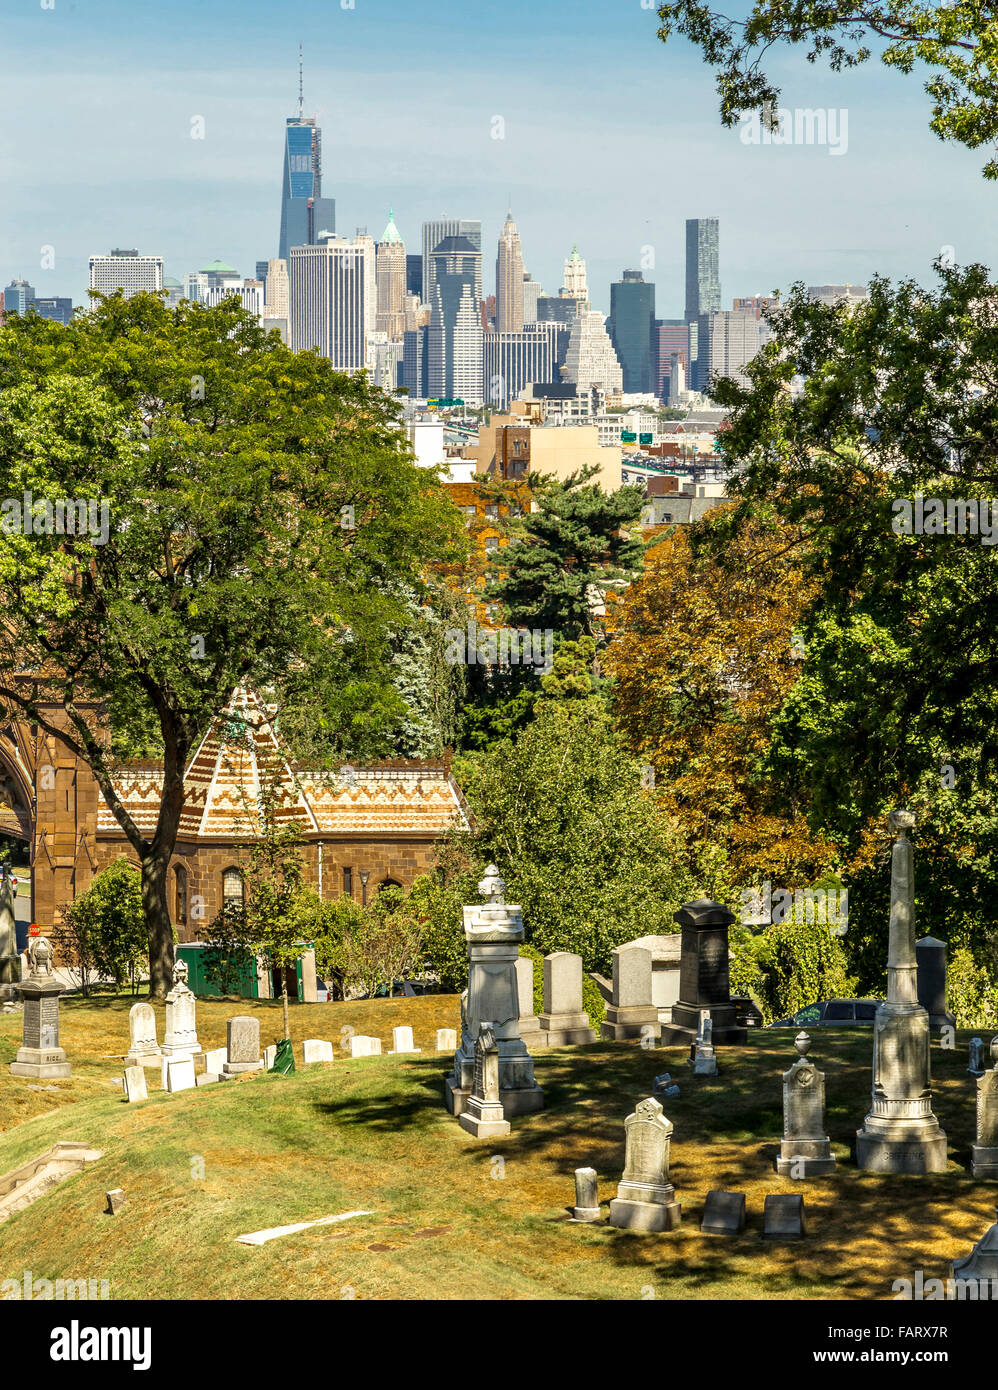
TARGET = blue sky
(611,140)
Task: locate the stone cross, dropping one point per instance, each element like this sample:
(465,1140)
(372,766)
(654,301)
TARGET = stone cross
(645,1199)
(805,1151)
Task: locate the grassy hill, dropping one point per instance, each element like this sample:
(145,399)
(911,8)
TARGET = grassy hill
(449,1221)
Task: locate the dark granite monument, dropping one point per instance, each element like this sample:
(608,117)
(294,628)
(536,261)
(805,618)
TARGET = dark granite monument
(704,984)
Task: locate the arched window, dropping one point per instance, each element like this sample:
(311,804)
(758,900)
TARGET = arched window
(232,887)
(389,883)
(180,894)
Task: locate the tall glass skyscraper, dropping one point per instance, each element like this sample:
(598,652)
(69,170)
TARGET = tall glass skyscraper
(703,274)
(632,330)
(304,211)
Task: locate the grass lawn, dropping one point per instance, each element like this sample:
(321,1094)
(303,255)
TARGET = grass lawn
(454,1217)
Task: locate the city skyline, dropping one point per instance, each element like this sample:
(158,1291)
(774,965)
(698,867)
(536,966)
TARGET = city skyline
(394,136)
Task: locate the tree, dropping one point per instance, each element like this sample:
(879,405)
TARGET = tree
(103,929)
(954,41)
(252,512)
(386,945)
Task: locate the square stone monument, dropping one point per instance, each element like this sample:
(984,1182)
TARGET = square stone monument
(242,1045)
(704,982)
(646,1200)
(181,1037)
(494,931)
(484,1116)
(984,1154)
(805,1151)
(564,1020)
(901,1134)
(143,1049)
(930,953)
(40,1055)
(631,1013)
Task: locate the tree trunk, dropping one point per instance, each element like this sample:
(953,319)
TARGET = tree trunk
(284,1002)
(158,925)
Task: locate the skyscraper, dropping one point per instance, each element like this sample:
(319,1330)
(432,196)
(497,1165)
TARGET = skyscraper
(414,274)
(576,286)
(433,235)
(703,275)
(455,337)
(126,271)
(591,360)
(673,341)
(327,309)
(370,280)
(632,330)
(277,289)
(512,361)
(17,296)
(726,342)
(304,211)
(531,294)
(391,274)
(509,279)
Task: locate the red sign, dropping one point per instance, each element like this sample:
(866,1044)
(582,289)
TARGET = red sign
(34,929)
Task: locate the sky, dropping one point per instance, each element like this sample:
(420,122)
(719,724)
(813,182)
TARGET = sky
(609,140)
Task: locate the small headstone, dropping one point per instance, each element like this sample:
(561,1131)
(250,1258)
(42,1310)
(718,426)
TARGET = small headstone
(143,1049)
(723,1214)
(484,1116)
(704,1057)
(215,1060)
(243,1045)
(564,1020)
(665,1087)
(115,1200)
(207,1078)
(982,1262)
(984,1153)
(783,1217)
(446,1039)
(135,1084)
(646,1200)
(631,1013)
(269,1054)
(529,1023)
(930,954)
(402,1040)
(181,1038)
(363,1046)
(975,1065)
(586,1196)
(805,1151)
(180,1073)
(316,1050)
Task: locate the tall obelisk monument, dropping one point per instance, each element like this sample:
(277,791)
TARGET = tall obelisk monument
(901,1134)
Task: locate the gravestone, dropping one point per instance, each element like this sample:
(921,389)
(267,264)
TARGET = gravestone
(631,1013)
(528,1023)
(723,1214)
(181,1037)
(984,1154)
(930,954)
(402,1040)
(975,1064)
(135,1084)
(901,1134)
(446,1039)
(115,1201)
(704,1057)
(586,1196)
(646,1200)
(564,1020)
(269,1056)
(664,1086)
(143,1049)
(40,1055)
(208,1078)
(982,1262)
(10,961)
(179,1073)
(242,1045)
(316,1050)
(783,1216)
(805,1151)
(493,931)
(704,982)
(484,1116)
(215,1060)
(363,1046)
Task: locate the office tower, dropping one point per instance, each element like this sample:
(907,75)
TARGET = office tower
(391,274)
(215,276)
(433,235)
(126,271)
(575,286)
(512,361)
(676,383)
(276,289)
(414,275)
(556,309)
(455,338)
(673,338)
(58,310)
(326,302)
(591,360)
(488,312)
(174,291)
(261,270)
(703,276)
(531,294)
(632,331)
(304,211)
(509,279)
(417,315)
(754,304)
(415,362)
(17,296)
(838,294)
(248,292)
(726,342)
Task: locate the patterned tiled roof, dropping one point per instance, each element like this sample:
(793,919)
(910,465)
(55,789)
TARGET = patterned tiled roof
(241,753)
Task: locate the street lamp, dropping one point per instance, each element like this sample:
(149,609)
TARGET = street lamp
(365,874)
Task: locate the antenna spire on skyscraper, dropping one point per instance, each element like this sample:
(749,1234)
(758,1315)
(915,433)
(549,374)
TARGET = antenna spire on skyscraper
(301,83)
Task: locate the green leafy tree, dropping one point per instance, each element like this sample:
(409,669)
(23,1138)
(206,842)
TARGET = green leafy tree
(954,42)
(103,929)
(261,512)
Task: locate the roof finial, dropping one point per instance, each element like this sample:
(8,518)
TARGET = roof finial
(301,82)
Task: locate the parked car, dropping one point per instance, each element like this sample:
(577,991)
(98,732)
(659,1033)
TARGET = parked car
(832,1013)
